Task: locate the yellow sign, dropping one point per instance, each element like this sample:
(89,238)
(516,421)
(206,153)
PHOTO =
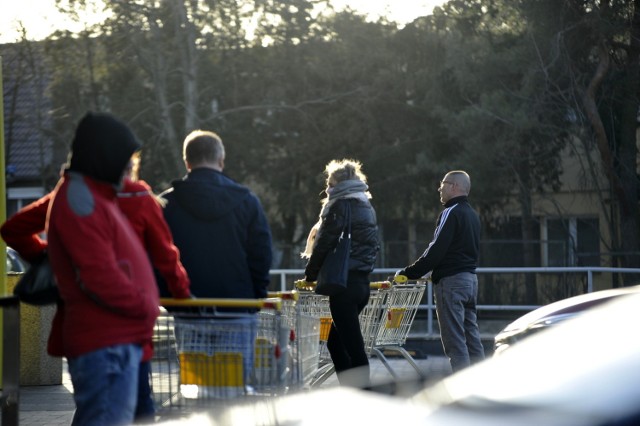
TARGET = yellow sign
(219,369)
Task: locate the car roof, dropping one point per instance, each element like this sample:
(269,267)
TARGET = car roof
(570,305)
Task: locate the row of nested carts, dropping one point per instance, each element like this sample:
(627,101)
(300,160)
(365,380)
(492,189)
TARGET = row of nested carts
(210,351)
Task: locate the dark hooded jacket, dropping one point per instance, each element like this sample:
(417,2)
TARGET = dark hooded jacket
(222,233)
(102,148)
(364,237)
(104,276)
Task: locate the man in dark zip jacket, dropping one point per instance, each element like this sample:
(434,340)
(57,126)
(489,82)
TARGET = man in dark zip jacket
(452,258)
(218,225)
(224,241)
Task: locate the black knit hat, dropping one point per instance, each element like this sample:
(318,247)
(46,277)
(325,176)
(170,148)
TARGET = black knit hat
(102,147)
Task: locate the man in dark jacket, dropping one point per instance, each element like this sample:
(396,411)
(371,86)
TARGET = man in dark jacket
(218,225)
(452,258)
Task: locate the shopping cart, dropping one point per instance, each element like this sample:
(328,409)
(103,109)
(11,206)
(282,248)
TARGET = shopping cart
(208,354)
(303,338)
(371,315)
(317,306)
(392,323)
(379,313)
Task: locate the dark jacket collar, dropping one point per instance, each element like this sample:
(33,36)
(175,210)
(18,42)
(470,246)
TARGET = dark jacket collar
(203,173)
(456,200)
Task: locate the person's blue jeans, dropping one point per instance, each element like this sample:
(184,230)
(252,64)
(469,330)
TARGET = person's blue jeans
(456,298)
(105,385)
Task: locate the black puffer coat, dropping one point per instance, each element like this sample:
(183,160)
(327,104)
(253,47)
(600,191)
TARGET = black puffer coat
(364,237)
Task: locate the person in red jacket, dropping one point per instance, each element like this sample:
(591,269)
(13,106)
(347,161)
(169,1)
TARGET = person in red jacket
(142,208)
(144,211)
(109,299)
(23,231)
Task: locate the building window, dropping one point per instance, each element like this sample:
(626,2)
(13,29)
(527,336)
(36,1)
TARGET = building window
(570,242)
(503,245)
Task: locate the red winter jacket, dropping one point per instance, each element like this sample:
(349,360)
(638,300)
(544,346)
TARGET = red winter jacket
(22,232)
(142,209)
(104,276)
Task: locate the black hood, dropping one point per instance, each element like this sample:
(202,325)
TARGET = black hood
(102,147)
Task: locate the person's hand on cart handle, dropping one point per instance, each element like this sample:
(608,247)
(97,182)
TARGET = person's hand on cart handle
(399,277)
(303,283)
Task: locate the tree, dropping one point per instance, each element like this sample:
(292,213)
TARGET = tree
(607,81)
(496,87)
(589,53)
(504,129)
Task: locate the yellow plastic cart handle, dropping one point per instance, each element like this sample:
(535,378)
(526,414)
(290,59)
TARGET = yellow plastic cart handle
(301,284)
(285,295)
(269,303)
(400,279)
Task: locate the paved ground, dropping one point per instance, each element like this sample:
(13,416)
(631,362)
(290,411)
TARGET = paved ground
(47,405)
(53,405)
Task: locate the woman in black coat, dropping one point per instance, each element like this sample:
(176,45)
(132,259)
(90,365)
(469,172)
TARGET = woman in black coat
(346,184)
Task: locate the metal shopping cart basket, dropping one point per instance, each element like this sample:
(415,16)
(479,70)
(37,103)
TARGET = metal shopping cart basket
(372,314)
(393,323)
(319,305)
(315,305)
(304,335)
(207,355)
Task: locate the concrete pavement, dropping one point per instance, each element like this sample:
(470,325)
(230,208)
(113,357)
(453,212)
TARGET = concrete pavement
(53,405)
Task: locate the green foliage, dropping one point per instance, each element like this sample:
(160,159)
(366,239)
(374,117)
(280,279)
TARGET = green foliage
(489,86)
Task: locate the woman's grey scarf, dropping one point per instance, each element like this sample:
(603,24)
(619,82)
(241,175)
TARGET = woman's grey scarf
(345,189)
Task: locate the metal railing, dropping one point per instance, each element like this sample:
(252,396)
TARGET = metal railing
(288,276)
(10,396)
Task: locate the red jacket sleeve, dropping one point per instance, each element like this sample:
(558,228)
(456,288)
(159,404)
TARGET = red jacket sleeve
(22,230)
(140,206)
(165,256)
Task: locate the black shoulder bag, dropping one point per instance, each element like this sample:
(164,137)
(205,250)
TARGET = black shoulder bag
(37,286)
(332,277)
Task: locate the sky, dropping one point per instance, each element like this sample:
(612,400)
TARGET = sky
(41,18)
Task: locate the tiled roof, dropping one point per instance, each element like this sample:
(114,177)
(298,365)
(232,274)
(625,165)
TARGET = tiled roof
(26,108)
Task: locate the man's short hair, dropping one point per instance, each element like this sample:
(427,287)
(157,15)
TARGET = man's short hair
(202,146)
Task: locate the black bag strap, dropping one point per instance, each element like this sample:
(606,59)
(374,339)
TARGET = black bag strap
(347,221)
